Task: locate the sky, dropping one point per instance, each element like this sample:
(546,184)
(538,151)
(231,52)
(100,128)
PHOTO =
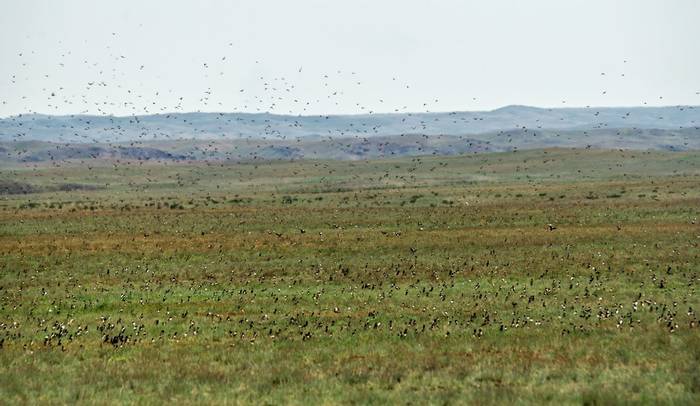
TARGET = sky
(347,57)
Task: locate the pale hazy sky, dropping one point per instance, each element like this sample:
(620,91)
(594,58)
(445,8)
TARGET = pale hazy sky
(136,57)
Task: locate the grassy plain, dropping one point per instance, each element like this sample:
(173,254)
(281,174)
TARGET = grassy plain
(565,276)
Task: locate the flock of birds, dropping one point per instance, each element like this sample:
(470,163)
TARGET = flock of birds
(341,303)
(155,129)
(334,303)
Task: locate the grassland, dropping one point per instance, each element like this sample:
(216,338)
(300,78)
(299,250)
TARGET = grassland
(563,276)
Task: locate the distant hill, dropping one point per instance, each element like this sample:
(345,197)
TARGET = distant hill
(244,137)
(107,129)
(348,148)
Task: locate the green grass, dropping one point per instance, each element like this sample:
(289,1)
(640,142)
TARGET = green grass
(431,280)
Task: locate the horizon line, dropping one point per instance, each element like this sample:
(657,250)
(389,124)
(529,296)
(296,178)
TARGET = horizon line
(355,114)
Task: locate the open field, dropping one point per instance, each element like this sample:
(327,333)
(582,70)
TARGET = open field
(566,276)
